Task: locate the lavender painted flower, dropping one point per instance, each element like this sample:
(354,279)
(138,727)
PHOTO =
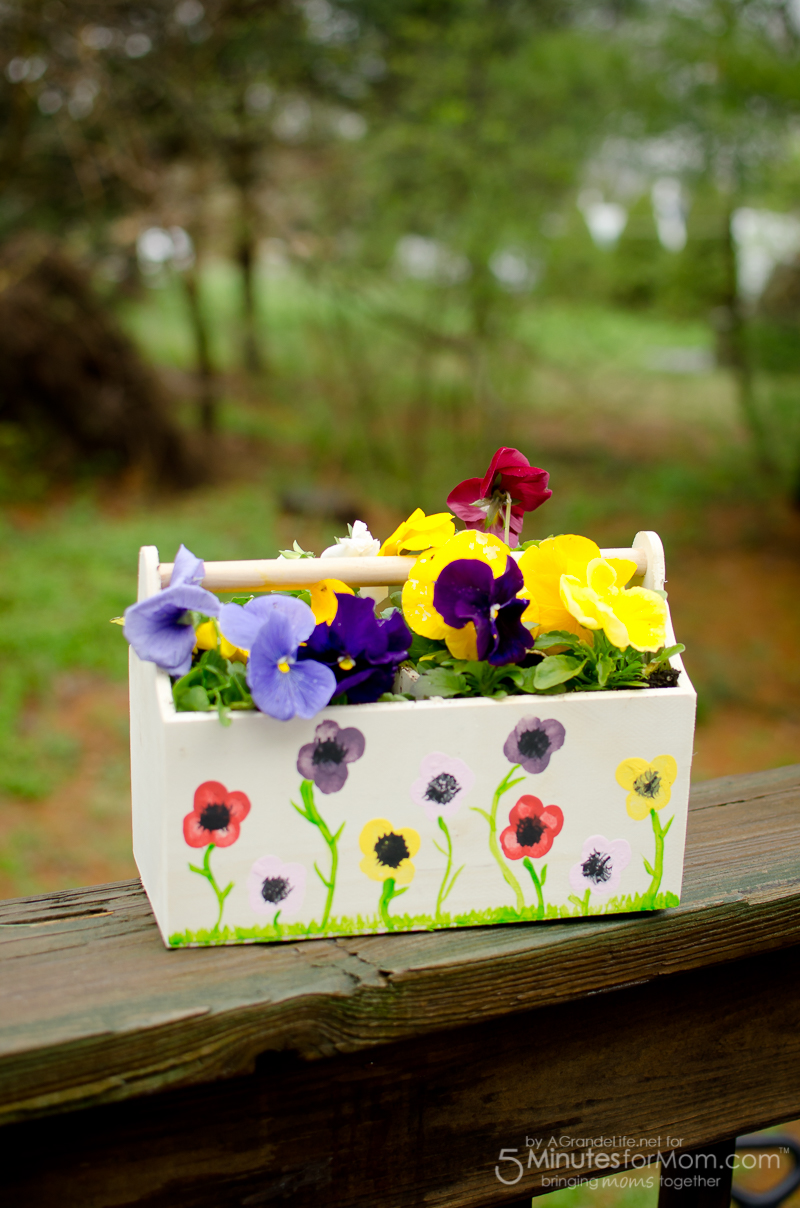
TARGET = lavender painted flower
(272,628)
(531,743)
(274,887)
(442,784)
(362,651)
(467,590)
(600,867)
(325,759)
(159,629)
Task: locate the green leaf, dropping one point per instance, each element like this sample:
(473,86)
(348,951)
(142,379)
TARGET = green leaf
(604,669)
(392,696)
(557,637)
(192,700)
(421,646)
(242,599)
(556,669)
(543,875)
(442,681)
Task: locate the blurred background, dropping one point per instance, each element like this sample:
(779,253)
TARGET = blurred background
(268,267)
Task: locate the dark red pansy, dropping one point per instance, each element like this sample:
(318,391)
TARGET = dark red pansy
(482,502)
(532,828)
(216,817)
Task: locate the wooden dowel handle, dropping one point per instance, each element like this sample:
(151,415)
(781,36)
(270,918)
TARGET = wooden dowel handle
(268,574)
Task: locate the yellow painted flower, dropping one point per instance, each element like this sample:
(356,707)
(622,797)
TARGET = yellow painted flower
(388,851)
(542,567)
(207,637)
(649,785)
(418,607)
(419,533)
(631,616)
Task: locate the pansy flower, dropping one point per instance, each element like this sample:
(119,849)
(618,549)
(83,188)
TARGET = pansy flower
(532,742)
(216,816)
(600,866)
(631,616)
(159,629)
(649,785)
(359,543)
(442,784)
(273,886)
(418,533)
(388,851)
(531,829)
(362,651)
(498,501)
(467,592)
(272,628)
(418,606)
(325,759)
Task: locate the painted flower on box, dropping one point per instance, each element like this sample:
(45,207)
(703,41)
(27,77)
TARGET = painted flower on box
(649,785)
(388,854)
(216,816)
(276,888)
(532,742)
(442,784)
(600,867)
(326,759)
(531,830)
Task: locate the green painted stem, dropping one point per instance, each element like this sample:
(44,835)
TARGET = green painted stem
(443,886)
(658,864)
(312,815)
(387,893)
(537,886)
(206,872)
(494,847)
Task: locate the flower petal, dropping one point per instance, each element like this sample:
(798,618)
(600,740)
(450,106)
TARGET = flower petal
(187,568)
(629,771)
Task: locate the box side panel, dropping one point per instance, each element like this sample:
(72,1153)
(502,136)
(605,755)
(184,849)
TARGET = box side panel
(147,784)
(429,800)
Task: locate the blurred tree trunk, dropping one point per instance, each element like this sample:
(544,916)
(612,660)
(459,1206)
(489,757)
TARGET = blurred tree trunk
(246,254)
(206,377)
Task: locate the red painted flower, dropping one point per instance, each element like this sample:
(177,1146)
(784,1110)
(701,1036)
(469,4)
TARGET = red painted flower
(481,502)
(216,816)
(532,828)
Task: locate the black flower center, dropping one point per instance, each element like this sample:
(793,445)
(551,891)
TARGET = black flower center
(215,817)
(597,867)
(529,831)
(328,751)
(648,784)
(391,850)
(533,744)
(442,789)
(275,889)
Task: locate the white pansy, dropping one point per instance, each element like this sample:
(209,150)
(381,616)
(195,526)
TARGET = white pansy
(359,544)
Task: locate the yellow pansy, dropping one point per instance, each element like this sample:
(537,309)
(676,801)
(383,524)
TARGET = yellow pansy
(418,607)
(649,785)
(631,616)
(388,851)
(323,598)
(208,637)
(418,533)
(542,567)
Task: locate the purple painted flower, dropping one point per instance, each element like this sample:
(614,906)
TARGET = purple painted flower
(273,886)
(279,684)
(443,782)
(325,759)
(467,590)
(600,866)
(159,628)
(532,742)
(362,650)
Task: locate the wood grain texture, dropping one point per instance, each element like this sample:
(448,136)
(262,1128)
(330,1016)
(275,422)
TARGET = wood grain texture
(682,1060)
(94,1010)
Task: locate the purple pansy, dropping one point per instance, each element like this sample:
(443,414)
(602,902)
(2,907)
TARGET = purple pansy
(600,866)
(443,782)
(159,629)
(467,590)
(362,650)
(532,742)
(325,759)
(279,683)
(273,886)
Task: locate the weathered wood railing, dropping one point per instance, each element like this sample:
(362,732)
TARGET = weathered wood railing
(392,1070)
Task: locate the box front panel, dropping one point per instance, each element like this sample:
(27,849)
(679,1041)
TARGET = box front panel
(425,815)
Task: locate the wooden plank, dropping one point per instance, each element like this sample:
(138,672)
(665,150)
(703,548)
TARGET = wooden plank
(93,1009)
(686,1059)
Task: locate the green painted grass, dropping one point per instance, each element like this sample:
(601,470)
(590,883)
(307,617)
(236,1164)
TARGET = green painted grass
(373,924)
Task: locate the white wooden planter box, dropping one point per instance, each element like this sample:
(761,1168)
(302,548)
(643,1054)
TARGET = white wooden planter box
(276,892)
